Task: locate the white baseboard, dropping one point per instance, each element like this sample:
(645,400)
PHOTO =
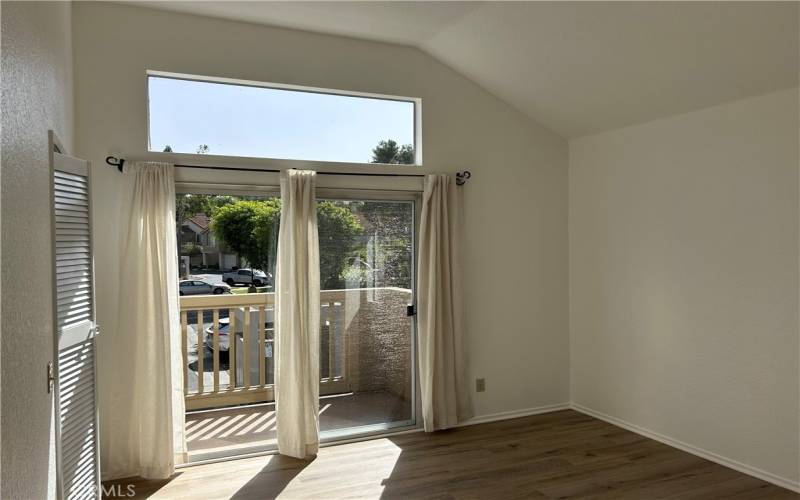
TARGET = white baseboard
(783,482)
(506,415)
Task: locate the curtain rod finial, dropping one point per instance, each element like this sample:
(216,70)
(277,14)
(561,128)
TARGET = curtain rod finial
(461,177)
(115,162)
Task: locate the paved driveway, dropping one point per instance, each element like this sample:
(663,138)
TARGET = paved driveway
(211,278)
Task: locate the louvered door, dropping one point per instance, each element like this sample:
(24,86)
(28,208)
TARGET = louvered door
(77,433)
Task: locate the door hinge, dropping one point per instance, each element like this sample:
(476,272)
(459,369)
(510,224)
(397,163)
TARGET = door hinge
(411,310)
(51,379)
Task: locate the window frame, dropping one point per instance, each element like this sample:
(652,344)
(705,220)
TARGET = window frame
(383,195)
(416,101)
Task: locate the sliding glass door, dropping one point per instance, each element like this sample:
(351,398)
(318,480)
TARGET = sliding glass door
(367,324)
(227,252)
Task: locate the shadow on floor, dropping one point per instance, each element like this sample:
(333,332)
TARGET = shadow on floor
(272,479)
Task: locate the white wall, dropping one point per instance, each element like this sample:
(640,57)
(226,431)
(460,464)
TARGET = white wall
(516,203)
(683,237)
(36,96)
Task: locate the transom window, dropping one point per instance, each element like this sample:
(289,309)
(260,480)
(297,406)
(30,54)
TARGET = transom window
(235,118)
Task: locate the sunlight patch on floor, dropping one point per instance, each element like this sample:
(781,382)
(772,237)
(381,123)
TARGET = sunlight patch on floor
(274,476)
(381,454)
(227,479)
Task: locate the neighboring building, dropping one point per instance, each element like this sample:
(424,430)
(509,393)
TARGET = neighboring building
(196,230)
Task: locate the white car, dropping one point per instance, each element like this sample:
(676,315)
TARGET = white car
(246,277)
(197,287)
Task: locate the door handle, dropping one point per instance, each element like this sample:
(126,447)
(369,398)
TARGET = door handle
(411,310)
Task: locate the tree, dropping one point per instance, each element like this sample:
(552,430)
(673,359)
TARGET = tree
(388,225)
(187,205)
(389,152)
(406,155)
(250,228)
(190,249)
(201,149)
(339,230)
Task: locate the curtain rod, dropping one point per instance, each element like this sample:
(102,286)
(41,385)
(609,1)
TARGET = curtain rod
(461,177)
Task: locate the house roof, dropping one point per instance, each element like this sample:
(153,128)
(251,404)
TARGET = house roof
(201,220)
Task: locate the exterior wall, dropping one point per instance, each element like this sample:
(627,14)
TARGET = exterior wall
(684,279)
(36,96)
(378,339)
(188,236)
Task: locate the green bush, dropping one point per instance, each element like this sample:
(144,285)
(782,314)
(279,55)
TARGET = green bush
(190,249)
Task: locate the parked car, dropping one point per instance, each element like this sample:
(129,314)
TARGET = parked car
(246,277)
(224,335)
(197,287)
(252,353)
(224,327)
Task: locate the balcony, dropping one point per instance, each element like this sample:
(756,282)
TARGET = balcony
(228,369)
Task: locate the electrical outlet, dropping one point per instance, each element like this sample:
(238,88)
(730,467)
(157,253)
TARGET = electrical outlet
(480,384)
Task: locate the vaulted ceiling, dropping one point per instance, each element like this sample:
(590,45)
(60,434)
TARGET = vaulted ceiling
(575,67)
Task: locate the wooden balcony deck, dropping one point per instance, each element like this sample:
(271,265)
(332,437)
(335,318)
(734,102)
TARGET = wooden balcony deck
(239,428)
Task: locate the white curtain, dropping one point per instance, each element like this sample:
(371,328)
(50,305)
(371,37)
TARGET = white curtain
(144,402)
(297,318)
(444,389)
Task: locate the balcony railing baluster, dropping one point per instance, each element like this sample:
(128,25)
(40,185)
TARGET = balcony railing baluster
(215,344)
(246,349)
(258,387)
(331,341)
(262,320)
(231,350)
(185,353)
(201,353)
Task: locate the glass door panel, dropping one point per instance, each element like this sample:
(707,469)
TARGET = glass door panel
(366,334)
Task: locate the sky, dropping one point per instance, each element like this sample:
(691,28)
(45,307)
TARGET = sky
(260,122)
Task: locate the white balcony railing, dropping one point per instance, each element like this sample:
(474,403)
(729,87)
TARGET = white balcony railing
(228,355)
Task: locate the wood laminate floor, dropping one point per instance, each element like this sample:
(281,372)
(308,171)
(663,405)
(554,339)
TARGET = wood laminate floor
(562,454)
